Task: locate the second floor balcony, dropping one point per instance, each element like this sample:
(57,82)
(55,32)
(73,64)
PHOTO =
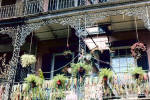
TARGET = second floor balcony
(29,7)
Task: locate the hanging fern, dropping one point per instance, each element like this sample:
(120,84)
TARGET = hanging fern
(76,68)
(34,79)
(59,82)
(27,60)
(137,71)
(106,73)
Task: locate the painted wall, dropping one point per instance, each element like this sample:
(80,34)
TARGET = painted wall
(54,46)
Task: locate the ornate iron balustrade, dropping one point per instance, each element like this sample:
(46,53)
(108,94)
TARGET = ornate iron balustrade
(126,87)
(37,6)
(21,9)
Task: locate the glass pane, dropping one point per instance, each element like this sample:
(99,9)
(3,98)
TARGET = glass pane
(123,61)
(117,70)
(115,62)
(123,69)
(131,62)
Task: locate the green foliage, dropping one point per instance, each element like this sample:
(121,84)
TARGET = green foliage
(106,73)
(41,74)
(63,80)
(58,94)
(33,78)
(137,70)
(76,67)
(36,91)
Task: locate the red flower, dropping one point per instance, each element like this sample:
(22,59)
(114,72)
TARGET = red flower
(58,82)
(105,78)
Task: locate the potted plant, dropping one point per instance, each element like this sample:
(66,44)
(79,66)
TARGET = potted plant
(27,60)
(80,69)
(138,73)
(106,74)
(33,85)
(33,80)
(59,84)
(137,49)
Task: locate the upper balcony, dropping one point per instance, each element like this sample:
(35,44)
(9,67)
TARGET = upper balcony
(32,7)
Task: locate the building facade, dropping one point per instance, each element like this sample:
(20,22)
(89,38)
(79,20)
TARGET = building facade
(47,28)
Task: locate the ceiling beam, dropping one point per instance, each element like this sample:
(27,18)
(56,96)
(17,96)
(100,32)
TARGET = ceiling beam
(50,29)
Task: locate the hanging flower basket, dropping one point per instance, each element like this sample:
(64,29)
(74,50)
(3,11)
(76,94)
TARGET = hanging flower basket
(27,60)
(106,74)
(80,69)
(137,49)
(138,73)
(34,81)
(59,83)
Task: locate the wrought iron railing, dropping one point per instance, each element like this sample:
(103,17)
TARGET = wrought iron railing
(124,85)
(37,6)
(21,9)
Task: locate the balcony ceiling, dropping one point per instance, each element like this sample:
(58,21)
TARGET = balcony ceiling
(122,23)
(52,31)
(118,23)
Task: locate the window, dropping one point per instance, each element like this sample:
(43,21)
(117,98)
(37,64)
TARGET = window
(122,60)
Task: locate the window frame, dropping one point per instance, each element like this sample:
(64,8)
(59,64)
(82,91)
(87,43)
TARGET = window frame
(121,56)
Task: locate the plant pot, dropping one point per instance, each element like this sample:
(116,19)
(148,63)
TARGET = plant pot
(136,76)
(58,98)
(105,78)
(33,84)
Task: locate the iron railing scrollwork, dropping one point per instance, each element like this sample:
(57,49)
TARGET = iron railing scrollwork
(21,9)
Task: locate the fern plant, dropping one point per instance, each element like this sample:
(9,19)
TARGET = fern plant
(34,80)
(59,81)
(33,84)
(59,84)
(106,74)
(76,68)
(137,72)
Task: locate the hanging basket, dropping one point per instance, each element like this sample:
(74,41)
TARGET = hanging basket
(27,60)
(137,49)
(80,68)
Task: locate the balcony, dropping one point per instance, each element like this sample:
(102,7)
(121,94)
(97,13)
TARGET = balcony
(38,6)
(122,87)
